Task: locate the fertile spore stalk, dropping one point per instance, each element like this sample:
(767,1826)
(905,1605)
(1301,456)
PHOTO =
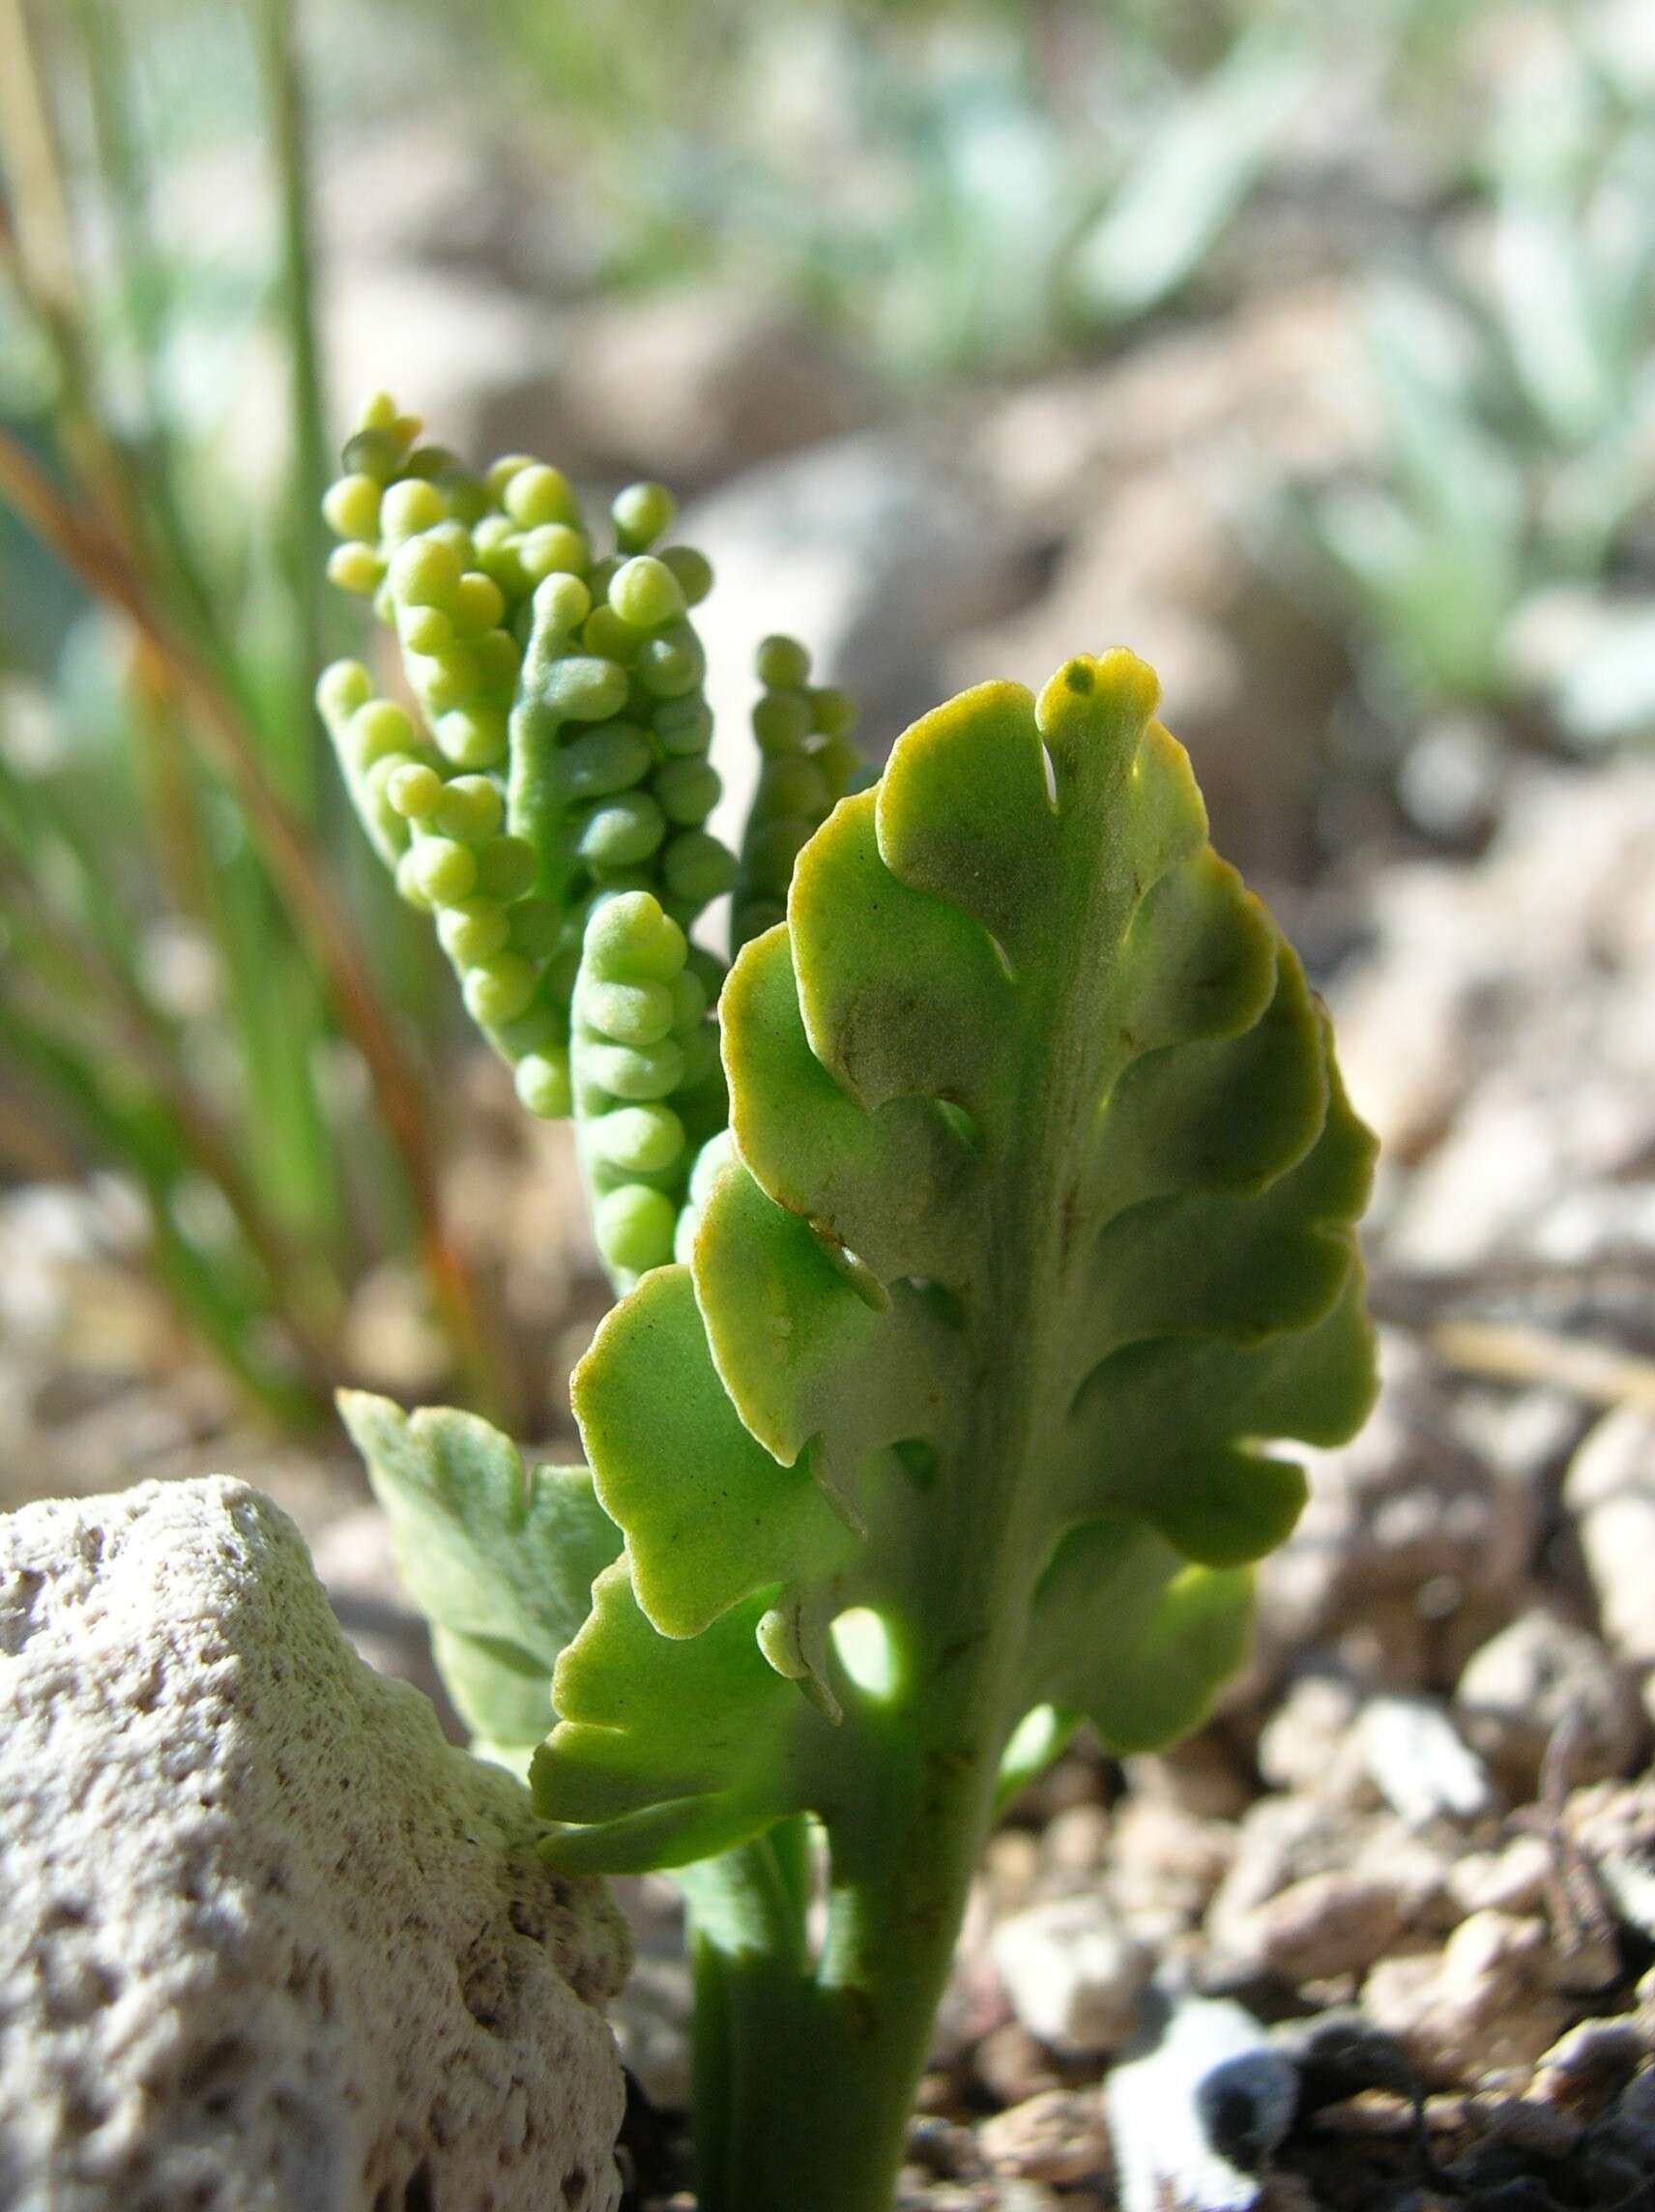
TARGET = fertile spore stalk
(970,1284)
(555,757)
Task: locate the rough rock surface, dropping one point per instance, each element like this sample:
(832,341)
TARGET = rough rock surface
(270,1944)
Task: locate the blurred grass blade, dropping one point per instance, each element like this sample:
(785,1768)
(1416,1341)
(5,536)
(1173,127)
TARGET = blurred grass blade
(1175,202)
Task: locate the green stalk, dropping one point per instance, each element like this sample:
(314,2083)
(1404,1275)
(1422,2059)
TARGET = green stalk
(805,2070)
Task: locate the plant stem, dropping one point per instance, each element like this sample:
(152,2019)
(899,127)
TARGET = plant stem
(807,2069)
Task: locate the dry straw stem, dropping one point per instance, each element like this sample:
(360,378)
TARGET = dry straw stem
(1509,1352)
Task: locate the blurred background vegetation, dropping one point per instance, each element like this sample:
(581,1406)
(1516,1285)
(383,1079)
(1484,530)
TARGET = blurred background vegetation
(1311,346)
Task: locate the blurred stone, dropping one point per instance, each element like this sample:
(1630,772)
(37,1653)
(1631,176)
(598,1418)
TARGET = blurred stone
(1057,2136)
(1610,1491)
(1201,1777)
(1278,376)
(653,2016)
(1288,1841)
(1076,1839)
(1279,1841)
(876,550)
(698,383)
(1248,676)
(1514,1878)
(1310,1742)
(1421,1764)
(1535,1676)
(1404,1507)
(1482,2005)
(1320,1928)
(1516,1065)
(1164,1867)
(1612,1827)
(1592,2063)
(1013,2065)
(1073,1974)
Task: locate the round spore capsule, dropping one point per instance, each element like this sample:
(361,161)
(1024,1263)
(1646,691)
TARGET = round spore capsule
(445,870)
(582,689)
(633,1227)
(630,939)
(498,990)
(700,1049)
(470,808)
(610,758)
(375,452)
(536,926)
(474,930)
(445,680)
(684,725)
(833,712)
(378,728)
(796,785)
(781,722)
(637,1140)
(425,572)
(501,471)
(543,1080)
(561,603)
(642,514)
(773,848)
(423,629)
(672,661)
(688,998)
(628,1013)
(342,686)
(697,866)
(693,571)
(351,507)
(505,868)
(644,593)
(479,604)
(636,1074)
(473,737)
(356,568)
(605,632)
(413,790)
(551,550)
(841,760)
(783,663)
(499,657)
(536,494)
(687,791)
(622,831)
(409,508)
(431,463)
(408,883)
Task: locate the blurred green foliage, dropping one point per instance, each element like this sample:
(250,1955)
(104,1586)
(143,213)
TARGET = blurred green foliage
(1514,363)
(178,996)
(960,190)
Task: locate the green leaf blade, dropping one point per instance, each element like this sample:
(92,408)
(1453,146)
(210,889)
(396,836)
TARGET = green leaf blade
(1039,1244)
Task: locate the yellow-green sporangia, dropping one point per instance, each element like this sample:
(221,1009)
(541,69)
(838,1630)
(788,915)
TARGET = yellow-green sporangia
(1025,1256)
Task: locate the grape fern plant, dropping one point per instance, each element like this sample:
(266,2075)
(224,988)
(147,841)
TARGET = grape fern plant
(982,1232)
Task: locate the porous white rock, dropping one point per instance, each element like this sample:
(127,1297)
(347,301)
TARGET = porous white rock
(269,1943)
